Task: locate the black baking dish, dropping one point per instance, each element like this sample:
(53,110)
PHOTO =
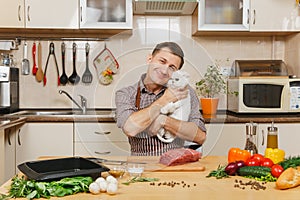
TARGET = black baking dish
(55,169)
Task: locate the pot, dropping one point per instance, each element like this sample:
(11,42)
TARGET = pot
(209,105)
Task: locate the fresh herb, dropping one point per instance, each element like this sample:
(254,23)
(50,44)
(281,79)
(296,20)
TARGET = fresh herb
(30,189)
(140,179)
(4,197)
(290,162)
(267,178)
(218,173)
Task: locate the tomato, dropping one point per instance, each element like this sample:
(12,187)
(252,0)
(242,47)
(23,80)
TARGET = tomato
(252,162)
(267,162)
(276,170)
(258,157)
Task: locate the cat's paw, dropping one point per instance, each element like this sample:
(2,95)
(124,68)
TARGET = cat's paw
(165,136)
(167,109)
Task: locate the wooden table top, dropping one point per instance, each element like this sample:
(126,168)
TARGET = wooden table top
(189,185)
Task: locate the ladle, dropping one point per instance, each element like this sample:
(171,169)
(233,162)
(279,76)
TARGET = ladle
(63,78)
(74,78)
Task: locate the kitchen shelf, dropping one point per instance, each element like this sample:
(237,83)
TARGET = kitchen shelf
(103,34)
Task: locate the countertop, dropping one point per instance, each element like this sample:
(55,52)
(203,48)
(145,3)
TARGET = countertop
(94,116)
(10,122)
(63,115)
(191,185)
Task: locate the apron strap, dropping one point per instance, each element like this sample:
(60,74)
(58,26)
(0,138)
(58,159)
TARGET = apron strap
(138,97)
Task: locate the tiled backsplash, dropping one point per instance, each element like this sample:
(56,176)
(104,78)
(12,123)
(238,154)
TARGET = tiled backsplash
(131,52)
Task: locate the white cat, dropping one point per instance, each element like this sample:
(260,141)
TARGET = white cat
(180,109)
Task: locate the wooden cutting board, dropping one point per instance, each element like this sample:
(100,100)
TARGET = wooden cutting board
(152,164)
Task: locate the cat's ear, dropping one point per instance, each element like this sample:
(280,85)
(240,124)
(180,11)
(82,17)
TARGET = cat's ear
(185,74)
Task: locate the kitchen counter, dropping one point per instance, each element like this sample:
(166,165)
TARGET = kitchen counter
(230,117)
(7,122)
(109,116)
(197,186)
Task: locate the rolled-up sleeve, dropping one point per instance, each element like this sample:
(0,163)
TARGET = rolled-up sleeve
(125,104)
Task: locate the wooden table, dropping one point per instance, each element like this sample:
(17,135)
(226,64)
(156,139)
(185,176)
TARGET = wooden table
(197,187)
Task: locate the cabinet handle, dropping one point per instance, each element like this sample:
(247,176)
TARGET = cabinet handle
(254,15)
(263,137)
(103,132)
(102,153)
(8,139)
(28,16)
(19,138)
(248,16)
(19,13)
(80,13)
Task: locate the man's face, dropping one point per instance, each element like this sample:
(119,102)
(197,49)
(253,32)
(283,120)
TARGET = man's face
(162,65)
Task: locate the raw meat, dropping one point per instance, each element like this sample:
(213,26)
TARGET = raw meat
(179,156)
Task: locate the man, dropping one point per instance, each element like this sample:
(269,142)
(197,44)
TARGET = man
(138,106)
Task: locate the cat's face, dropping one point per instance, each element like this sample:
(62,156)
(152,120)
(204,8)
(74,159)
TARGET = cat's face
(179,79)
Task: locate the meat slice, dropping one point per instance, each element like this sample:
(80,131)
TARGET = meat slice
(179,156)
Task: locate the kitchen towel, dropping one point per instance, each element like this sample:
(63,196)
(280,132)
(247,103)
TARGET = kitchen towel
(7,45)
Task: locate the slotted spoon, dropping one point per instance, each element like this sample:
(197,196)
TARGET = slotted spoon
(87,76)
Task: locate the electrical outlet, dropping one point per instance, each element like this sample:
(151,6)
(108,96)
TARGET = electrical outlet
(226,71)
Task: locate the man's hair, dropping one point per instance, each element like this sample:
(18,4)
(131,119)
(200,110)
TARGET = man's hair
(174,49)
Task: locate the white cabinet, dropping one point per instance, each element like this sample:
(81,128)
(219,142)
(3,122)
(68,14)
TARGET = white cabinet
(106,14)
(288,137)
(221,137)
(7,154)
(51,14)
(274,15)
(95,139)
(39,14)
(246,15)
(223,15)
(43,139)
(12,14)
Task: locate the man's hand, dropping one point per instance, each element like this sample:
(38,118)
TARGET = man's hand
(157,124)
(175,94)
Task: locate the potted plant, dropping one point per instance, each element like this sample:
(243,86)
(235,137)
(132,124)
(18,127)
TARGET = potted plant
(209,88)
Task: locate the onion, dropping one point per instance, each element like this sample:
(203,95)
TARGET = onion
(231,168)
(240,164)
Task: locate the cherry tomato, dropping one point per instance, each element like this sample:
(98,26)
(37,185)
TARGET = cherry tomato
(258,157)
(267,162)
(276,170)
(252,162)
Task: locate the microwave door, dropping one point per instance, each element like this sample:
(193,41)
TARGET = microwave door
(262,95)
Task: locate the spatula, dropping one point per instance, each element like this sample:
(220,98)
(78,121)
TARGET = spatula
(87,76)
(25,62)
(39,73)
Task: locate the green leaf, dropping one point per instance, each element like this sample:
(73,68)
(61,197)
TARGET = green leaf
(32,194)
(140,179)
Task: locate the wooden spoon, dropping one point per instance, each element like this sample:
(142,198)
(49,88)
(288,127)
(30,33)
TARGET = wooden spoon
(39,73)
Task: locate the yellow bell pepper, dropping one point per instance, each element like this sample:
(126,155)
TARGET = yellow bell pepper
(276,155)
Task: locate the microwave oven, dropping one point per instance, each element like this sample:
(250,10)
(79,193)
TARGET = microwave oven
(263,94)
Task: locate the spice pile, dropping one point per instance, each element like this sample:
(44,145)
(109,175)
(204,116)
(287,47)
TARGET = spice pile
(252,184)
(173,184)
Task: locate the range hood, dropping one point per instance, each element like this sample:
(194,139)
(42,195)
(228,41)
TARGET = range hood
(164,7)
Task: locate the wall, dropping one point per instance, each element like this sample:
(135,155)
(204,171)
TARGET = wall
(131,52)
(292,53)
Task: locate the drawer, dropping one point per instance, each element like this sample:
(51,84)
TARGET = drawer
(98,132)
(98,149)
